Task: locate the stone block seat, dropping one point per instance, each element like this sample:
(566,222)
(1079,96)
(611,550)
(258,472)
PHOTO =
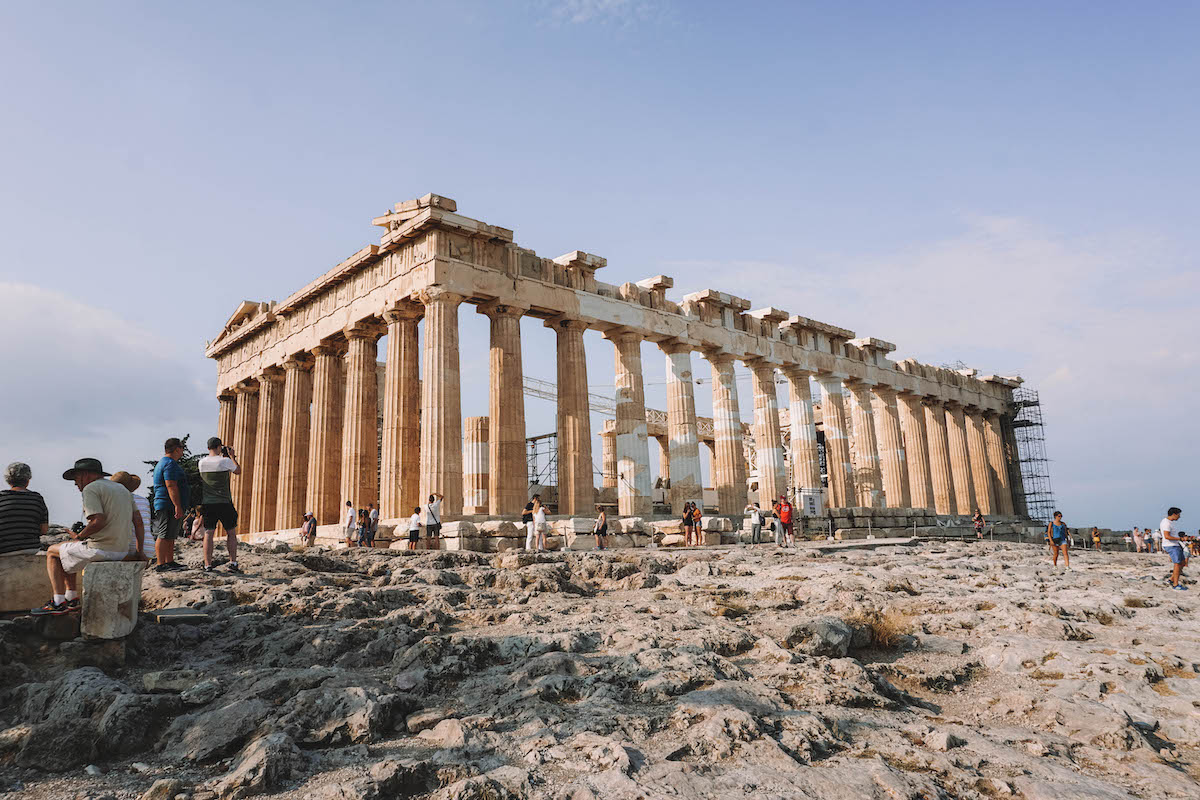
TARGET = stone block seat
(109,596)
(24,583)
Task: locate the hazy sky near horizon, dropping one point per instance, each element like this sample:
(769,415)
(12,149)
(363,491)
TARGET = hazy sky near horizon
(1011,185)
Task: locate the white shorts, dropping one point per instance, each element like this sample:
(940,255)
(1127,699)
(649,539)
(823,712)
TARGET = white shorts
(76,555)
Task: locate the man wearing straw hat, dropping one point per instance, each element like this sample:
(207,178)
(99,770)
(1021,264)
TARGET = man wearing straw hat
(109,510)
(143,533)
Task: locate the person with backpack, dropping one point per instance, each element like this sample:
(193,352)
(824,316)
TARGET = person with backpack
(527,521)
(433,521)
(1060,539)
(785,520)
(756,522)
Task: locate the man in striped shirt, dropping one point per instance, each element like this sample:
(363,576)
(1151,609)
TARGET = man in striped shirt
(24,518)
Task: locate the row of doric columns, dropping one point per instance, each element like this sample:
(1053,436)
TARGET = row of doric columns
(307,432)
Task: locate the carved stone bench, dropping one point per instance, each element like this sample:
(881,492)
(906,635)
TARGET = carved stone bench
(24,583)
(111,592)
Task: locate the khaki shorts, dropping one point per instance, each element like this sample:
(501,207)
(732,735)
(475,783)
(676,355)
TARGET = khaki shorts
(76,555)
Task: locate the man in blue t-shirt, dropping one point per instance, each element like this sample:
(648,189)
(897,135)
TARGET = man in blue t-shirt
(170,503)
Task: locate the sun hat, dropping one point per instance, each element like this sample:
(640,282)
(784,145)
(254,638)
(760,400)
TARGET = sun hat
(85,465)
(130,482)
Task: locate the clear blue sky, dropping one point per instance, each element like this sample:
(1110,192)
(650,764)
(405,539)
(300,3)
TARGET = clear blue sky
(1012,185)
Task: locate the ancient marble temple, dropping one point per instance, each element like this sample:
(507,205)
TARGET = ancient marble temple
(300,402)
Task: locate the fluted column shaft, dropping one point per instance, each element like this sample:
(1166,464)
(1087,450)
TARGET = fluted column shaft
(608,460)
(508,478)
(360,427)
(325,435)
(867,478)
(838,466)
(729,458)
(441,402)
(293,443)
(683,438)
(245,430)
(980,470)
(576,487)
(940,473)
(916,452)
(401,445)
(1013,458)
(266,450)
(768,439)
(806,463)
(997,464)
(633,449)
(960,460)
(226,415)
(475,465)
(892,463)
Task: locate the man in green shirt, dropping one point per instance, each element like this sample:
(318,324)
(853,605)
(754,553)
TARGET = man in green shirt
(215,469)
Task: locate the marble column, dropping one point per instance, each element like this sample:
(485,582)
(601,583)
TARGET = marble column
(293,443)
(226,414)
(633,449)
(683,445)
(892,463)
(245,428)
(916,451)
(838,467)
(997,464)
(729,459)
(576,486)
(265,480)
(608,460)
(867,477)
(475,465)
(940,473)
(399,468)
(325,434)
(664,461)
(360,427)
(768,439)
(980,470)
(441,401)
(806,463)
(960,460)
(1012,457)
(508,478)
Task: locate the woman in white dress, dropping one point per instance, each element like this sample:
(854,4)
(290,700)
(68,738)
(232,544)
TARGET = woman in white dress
(539,523)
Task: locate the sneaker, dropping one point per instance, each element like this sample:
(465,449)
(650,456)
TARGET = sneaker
(175,566)
(50,608)
(233,567)
(1180,588)
(163,568)
(209,568)
(73,606)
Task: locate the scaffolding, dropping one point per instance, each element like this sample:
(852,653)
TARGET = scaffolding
(1030,439)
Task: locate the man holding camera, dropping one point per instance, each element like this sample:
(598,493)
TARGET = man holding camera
(1173,546)
(215,469)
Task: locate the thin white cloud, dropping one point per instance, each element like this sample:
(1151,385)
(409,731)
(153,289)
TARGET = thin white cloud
(619,12)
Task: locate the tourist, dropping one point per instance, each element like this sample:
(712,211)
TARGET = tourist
(1156,540)
(373,515)
(756,522)
(539,522)
(363,529)
(977,521)
(785,521)
(1138,544)
(600,529)
(696,524)
(414,528)
(351,523)
(109,510)
(686,524)
(142,543)
(433,521)
(1059,535)
(218,508)
(308,529)
(527,521)
(1172,545)
(1095,533)
(196,532)
(170,504)
(24,518)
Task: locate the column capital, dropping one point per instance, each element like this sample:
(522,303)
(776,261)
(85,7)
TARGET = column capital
(885,390)
(402,311)
(673,346)
(329,348)
(760,363)
(565,323)
(831,375)
(797,372)
(248,386)
(296,361)
(227,396)
(363,329)
(622,335)
(498,308)
(932,401)
(438,294)
(272,374)
(718,356)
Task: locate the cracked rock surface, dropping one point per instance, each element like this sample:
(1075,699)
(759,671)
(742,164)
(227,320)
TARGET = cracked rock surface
(945,670)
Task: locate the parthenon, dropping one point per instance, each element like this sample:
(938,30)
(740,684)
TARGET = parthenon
(299,398)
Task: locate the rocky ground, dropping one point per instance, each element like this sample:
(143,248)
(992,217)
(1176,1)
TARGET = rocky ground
(947,670)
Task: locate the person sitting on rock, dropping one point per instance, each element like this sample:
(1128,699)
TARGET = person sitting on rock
(24,518)
(109,510)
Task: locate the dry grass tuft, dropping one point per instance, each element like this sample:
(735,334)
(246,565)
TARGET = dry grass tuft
(1175,671)
(887,628)
(1045,675)
(986,605)
(1136,602)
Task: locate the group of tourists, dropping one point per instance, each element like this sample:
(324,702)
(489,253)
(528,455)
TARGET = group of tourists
(780,520)
(1167,538)
(361,525)
(121,525)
